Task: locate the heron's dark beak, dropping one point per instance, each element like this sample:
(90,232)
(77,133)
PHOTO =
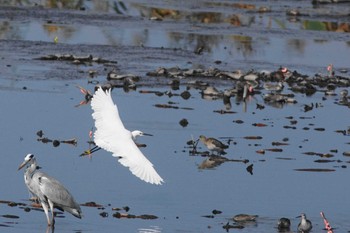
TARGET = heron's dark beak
(298,216)
(147,134)
(22,165)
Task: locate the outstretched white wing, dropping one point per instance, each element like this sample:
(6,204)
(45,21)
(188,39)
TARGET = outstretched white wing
(112,136)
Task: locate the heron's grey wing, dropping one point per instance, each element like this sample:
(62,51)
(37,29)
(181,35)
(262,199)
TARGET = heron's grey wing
(31,185)
(53,190)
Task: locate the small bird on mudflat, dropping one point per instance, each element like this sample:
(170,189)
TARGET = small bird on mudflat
(213,144)
(305,225)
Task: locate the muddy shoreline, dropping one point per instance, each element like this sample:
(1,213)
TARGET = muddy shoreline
(141,59)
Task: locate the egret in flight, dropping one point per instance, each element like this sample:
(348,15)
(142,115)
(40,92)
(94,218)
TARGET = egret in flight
(134,135)
(50,192)
(112,136)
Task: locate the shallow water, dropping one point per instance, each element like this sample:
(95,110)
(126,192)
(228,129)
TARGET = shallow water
(42,95)
(274,190)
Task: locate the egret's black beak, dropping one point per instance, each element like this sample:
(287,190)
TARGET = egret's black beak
(89,152)
(147,134)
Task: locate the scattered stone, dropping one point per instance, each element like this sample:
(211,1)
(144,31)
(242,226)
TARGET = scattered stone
(250,169)
(92,204)
(55,143)
(143,216)
(104,214)
(183,122)
(216,212)
(74,59)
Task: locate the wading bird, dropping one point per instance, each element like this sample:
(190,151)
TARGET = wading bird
(50,192)
(213,144)
(112,136)
(305,224)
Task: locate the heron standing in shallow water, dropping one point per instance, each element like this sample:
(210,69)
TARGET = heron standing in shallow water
(112,136)
(50,192)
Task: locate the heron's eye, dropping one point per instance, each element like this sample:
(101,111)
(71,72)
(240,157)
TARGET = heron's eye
(29,157)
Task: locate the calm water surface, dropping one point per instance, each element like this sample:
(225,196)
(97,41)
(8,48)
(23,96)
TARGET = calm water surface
(274,190)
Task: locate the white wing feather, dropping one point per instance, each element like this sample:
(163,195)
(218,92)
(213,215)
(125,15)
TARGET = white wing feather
(112,136)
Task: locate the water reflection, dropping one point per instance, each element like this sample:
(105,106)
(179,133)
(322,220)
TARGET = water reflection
(50,229)
(219,13)
(226,46)
(326,26)
(53,30)
(152,229)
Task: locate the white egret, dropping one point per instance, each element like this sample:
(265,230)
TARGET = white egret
(50,192)
(134,135)
(112,136)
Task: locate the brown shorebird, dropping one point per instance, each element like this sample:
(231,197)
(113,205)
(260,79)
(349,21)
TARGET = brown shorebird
(213,144)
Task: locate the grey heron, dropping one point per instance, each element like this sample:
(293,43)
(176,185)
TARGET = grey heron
(112,136)
(50,192)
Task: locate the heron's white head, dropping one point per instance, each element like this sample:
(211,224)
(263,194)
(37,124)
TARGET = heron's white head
(29,159)
(137,133)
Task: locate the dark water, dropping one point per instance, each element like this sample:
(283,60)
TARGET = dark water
(190,192)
